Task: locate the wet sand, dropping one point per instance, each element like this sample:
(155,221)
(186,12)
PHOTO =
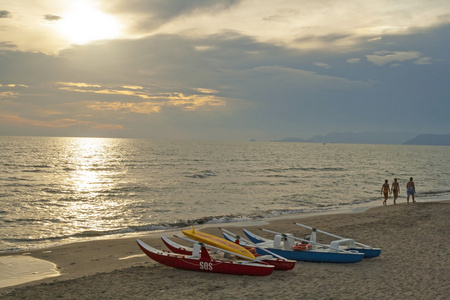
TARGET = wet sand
(414,263)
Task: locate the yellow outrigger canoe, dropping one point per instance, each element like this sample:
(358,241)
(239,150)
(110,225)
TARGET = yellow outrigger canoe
(217,242)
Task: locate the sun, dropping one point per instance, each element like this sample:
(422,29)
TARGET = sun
(84,23)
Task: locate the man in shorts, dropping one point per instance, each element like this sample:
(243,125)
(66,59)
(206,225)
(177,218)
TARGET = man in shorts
(410,190)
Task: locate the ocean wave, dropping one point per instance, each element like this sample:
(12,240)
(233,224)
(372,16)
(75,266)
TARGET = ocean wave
(126,189)
(203,174)
(144,228)
(435,193)
(17,184)
(311,169)
(56,191)
(14,178)
(22,221)
(69,169)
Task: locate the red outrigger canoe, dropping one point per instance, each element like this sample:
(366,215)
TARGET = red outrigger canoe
(278,263)
(203,262)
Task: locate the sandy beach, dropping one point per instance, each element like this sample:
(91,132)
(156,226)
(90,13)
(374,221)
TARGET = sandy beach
(414,264)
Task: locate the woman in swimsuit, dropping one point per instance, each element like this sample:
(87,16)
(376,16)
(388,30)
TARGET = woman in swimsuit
(395,189)
(385,190)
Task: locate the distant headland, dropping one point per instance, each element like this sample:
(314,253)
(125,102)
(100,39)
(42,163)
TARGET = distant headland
(375,138)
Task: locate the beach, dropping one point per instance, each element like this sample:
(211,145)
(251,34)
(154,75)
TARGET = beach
(414,263)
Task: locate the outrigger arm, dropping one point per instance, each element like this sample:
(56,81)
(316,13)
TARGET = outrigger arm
(330,234)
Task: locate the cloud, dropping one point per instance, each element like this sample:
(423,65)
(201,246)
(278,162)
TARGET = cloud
(202,100)
(126,107)
(13,85)
(149,15)
(9,91)
(322,65)
(52,18)
(5,14)
(381,58)
(195,86)
(7,46)
(423,61)
(8,95)
(78,84)
(374,39)
(59,123)
(353,60)
(206,91)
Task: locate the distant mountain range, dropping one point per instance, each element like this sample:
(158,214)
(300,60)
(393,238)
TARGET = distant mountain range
(430,139)
(380,137)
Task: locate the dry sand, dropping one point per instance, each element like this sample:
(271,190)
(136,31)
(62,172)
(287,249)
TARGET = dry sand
(414,264)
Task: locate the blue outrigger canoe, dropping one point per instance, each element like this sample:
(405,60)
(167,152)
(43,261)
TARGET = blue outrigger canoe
(369,252)
(284,245)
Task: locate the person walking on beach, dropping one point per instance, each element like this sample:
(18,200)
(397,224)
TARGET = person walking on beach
(385,190)
(410,190)
(395,189)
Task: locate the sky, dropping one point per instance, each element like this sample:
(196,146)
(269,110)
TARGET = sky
(223,69)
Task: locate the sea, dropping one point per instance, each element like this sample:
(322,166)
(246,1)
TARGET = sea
(57,190)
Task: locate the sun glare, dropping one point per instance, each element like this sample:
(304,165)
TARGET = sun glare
(84,23)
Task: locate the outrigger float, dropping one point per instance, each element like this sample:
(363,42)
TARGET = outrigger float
(278,262)
(368,251)
(285,245)
(200,260)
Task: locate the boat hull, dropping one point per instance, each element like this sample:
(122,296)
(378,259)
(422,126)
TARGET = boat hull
(205,264)
(315,256)
(368,252)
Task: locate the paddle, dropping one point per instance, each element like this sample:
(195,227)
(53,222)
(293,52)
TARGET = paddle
(330,234)
(225,251)
(311,242)
(253,244)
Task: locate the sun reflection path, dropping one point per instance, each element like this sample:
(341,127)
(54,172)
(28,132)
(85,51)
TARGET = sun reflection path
(93,168)
(94,175)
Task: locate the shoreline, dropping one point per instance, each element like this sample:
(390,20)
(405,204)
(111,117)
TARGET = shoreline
(245,222)
(398,229)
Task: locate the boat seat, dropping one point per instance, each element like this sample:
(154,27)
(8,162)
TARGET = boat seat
(277,241)
(196,251)
(343,243)
(289,241)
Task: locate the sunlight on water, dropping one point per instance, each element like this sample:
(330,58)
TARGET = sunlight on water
(55,190)
(91,160)
(94,165)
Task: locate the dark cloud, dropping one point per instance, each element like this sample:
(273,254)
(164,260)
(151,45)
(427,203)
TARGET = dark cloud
(52,18)
(323,38)
(5,14)
(268,89)
(150,14)
(7,46)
